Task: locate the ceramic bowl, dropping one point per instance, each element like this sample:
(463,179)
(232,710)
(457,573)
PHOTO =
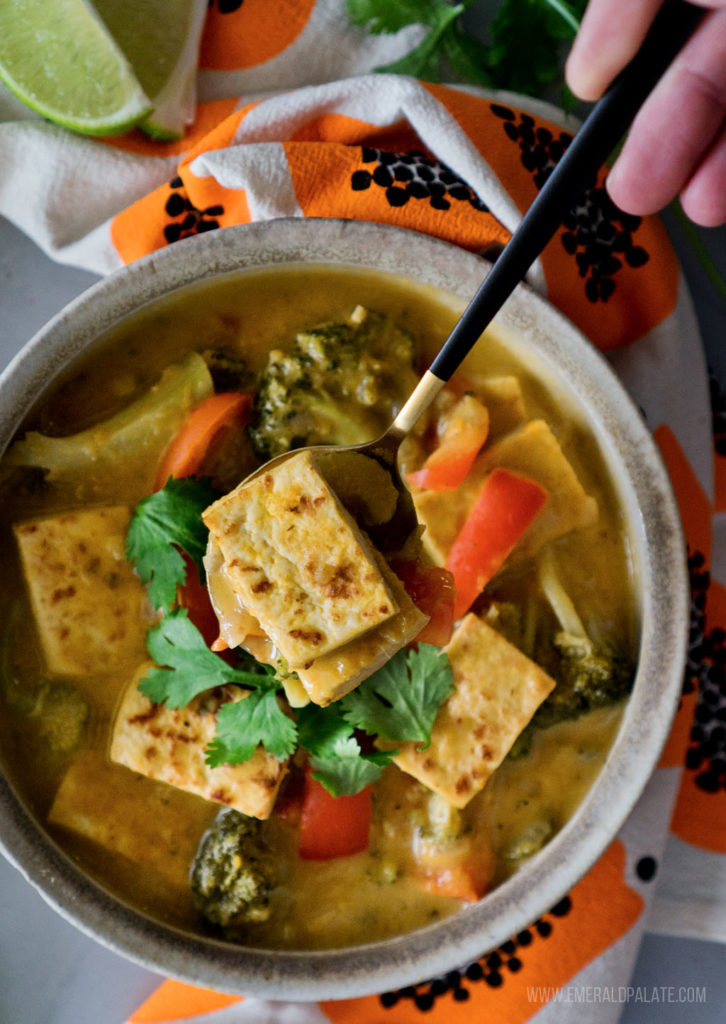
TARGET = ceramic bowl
(547,339)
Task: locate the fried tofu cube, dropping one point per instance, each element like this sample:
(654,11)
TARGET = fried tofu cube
(89,606)
(147,822)
(497,689)
(534,451)
(333,675)
(169,744)
(298,561)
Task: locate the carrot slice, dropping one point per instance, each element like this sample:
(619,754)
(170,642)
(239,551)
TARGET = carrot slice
(333,826)
(201,431)
(506,506)
(457,882)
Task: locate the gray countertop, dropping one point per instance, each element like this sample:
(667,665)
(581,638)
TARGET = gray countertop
(50,973)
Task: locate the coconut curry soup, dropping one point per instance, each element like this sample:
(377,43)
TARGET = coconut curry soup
(255,711)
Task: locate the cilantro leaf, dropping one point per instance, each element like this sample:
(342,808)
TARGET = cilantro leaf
(336,757)
(522,54)
(163,523)
(244,724)
(347,773)
(190,666)
(526,37)
(466,56)
(401,700)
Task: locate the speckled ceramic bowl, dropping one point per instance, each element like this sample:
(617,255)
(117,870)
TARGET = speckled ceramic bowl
(552,344)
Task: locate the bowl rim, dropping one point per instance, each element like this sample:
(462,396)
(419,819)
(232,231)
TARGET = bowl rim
(660,553)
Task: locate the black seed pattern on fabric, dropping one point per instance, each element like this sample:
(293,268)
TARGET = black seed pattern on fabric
(412,176)
(706,672)
(185,218)
(492,969)
(226,6)
(596,233)
(646,868)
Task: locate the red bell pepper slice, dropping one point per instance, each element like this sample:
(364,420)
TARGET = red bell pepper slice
(506,506)
(333,826)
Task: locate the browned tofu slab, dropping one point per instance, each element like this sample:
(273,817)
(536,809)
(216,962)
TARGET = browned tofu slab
(300,564)
(497,690)
(329,678)
(89,606)
(147,822)
(534,451)
(169,745)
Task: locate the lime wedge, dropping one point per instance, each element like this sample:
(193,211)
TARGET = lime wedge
(160,39)
(59,58)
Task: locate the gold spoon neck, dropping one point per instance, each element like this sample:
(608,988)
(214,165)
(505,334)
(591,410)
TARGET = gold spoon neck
(416,404)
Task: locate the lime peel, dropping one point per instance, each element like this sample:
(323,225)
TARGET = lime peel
(60,59)
(160,39)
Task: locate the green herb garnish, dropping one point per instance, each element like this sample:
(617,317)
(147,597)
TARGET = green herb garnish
(190,666)
(401,700)
(523,52)
(336,756)
(162,524)
(258,719)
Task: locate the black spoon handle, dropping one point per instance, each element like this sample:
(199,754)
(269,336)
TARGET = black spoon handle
(590,147)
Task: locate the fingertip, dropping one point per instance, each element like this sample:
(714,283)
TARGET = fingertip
(632,188)
(583,84)
(620,189)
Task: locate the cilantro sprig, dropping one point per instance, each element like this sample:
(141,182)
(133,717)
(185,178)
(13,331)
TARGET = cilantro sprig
(190,669)
(258,719)
(162,526)
(399,702)
(336,756)
(522,54)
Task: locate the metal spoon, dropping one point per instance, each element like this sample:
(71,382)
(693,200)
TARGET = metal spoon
(593,143)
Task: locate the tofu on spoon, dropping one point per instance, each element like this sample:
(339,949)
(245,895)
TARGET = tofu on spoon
(299,564)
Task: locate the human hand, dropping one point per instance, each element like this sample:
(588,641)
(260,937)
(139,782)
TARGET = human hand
(677,142)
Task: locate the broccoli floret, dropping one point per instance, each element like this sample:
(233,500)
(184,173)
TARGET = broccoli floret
(233,872)
(587,677)
(529,841)
(143,428)
(340,383)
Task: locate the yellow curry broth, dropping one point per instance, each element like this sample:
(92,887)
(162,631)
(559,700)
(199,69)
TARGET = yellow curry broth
(320,904)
